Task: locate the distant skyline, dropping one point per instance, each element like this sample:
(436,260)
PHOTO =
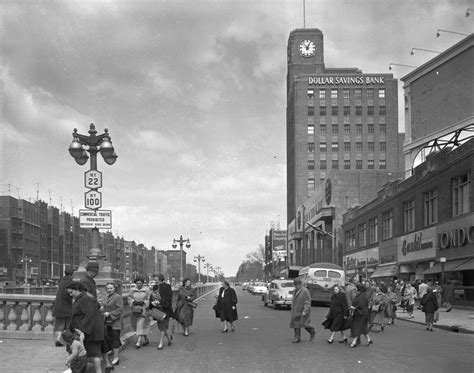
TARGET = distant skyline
(193,94)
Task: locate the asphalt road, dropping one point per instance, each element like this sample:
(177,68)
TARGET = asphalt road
(262,343)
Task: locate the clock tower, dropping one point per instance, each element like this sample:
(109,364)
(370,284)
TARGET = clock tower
(305,54)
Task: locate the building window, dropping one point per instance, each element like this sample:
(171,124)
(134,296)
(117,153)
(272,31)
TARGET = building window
(347,129)
(335,146)
(322,147)
(310,111)
(371,147)
(335,164)
(311,147)
(359,129)
(373,228)
(383,147)
(382,93)
(382,164)
(370,94)
(311,184)
(358,110)
(370,110)
(387,225)
(310,94)
(322,129)
(359,164)
(347,110)
(461,195)
(334,110)
(335,129)
(322,93)
(322,164)
(409,216)
(310,129)
(333,93)
(383,128)
(358,94)
(347,164)
(370,128)
(382,110)
(347,93)
(431,207)
(370,164)
(358,147)
(350,239)
(322,110)
(310,164)
(362,235)
(347,147)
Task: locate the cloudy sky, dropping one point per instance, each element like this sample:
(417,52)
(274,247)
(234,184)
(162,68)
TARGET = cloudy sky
(193,95)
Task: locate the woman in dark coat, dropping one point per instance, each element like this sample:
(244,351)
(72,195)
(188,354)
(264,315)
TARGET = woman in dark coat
(227,306)
(338,313)
(87,318)
(113,309)
(360,309)
(62,306)
(184,311)
(430,305)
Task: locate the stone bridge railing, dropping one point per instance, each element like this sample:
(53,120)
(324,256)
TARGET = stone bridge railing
(28,316)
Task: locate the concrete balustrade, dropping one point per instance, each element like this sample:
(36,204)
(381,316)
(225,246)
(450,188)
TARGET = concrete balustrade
(27,316)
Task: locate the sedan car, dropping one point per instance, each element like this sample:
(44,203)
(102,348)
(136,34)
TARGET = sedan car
(259,288)
(280,293)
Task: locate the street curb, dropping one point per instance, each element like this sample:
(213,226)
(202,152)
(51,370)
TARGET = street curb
(128,336)
(451,328)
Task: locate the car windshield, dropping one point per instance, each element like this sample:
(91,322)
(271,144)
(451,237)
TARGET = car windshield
(288,284)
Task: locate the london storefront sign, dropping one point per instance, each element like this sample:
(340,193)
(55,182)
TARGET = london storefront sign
(417,246)
(456,238)
(362,259)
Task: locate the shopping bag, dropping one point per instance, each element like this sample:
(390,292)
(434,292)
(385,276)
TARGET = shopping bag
(157,314)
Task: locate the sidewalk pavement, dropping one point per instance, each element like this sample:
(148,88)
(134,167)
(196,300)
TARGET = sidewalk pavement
(457,320)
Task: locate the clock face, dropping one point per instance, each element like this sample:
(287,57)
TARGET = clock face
(307,48)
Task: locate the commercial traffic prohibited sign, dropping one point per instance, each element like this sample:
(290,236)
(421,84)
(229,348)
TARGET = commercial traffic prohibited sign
(93,179)
(100,219)
(93,199)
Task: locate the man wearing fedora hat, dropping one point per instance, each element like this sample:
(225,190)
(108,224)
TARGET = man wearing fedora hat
(92,269)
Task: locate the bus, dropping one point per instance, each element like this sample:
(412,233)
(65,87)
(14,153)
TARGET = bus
(320,279)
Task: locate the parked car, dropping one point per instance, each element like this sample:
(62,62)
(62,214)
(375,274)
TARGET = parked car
(245,286)
(258,288)
(280,293)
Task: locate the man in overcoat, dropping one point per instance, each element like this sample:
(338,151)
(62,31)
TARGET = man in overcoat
(62,305)
(300,311)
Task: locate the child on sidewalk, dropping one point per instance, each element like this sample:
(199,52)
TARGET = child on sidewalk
(77,359)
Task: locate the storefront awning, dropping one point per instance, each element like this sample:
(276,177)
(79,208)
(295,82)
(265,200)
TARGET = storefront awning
(386,270)
(448,267)
(468,265)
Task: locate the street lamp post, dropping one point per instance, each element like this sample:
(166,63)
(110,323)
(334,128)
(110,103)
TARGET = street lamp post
(208,267)
(442,260)
(94,144)
(181,241)
(199,259)
(218,273)
(25,260)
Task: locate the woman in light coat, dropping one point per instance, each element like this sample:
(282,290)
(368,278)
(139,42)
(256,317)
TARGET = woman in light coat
(377,304)
(301,311)
(139,300)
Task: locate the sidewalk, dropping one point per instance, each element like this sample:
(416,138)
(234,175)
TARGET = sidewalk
(457,320)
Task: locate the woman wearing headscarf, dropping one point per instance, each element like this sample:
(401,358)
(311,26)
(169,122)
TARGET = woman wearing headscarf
(377,304)
(139,300)
(86,317)
(184,305)
(430,305)
(391,309)
(360,307)
(227,306)
(338,313)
